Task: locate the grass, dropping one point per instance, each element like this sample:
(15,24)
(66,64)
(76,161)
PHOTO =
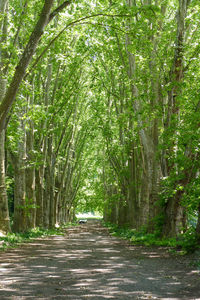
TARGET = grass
(12,240)
(185,243)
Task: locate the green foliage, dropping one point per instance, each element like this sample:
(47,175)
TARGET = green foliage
(13,239)
(28,205)
(186,242)
(90,116)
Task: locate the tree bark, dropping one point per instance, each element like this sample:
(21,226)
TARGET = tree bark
(4,213)
(51,178)
(133,197)
(198,225)
(39,193)
(30,174)
(47,151)
(20,204)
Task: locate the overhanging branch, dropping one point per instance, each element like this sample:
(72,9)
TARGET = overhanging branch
(59,9)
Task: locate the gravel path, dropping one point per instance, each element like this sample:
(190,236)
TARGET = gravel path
(87,263)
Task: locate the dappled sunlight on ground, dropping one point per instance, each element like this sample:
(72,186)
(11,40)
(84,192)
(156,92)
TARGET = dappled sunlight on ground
(89,264)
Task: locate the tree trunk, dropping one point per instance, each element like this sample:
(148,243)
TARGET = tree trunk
(47,155)
(47,191)
(49,200)
(144,200)
(30,179)
(4,214)
(174,216)
(198,225)
(30,169)
(52,183)
(133,204)
(20,205)
(39,193)
(111,208)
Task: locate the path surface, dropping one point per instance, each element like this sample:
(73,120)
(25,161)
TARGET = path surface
(89,264)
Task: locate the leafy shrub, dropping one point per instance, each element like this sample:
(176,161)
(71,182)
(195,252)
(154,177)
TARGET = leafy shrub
(186,242)
(12,239)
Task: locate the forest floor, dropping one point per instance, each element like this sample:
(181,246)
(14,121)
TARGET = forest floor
(88,263)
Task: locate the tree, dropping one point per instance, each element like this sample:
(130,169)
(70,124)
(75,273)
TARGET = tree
(4,214)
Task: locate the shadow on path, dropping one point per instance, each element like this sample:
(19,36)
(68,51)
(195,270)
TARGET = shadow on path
(87,263)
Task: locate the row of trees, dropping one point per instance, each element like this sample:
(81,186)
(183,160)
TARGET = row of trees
(153,116)
(106,115)
(45,132)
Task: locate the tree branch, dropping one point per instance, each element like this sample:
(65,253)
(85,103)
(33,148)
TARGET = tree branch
(59,9)
(76,22)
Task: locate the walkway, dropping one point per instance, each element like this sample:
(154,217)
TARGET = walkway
(87,263)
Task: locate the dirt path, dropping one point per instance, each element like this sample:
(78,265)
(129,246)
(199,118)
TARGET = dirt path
(89,264)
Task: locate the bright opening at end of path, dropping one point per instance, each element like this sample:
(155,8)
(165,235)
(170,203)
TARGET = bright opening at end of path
(89,215)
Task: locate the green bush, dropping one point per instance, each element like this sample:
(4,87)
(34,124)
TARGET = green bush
(13,239)
(186,242)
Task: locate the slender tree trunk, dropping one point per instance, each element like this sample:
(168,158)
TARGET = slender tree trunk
(198,225)
(4,214)
(123,213)
(155,161)
(30,174)
(39,193)
(47,155)
(49,200)
(47,192)
(58,191)
(57,200)
(133,203)
(20,205)
(63,207)
(52,183)
(144,199)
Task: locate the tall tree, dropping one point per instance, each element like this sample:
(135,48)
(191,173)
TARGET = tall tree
(4,214)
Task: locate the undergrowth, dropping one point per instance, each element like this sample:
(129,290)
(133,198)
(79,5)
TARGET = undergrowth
(12,240)
(185,243)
